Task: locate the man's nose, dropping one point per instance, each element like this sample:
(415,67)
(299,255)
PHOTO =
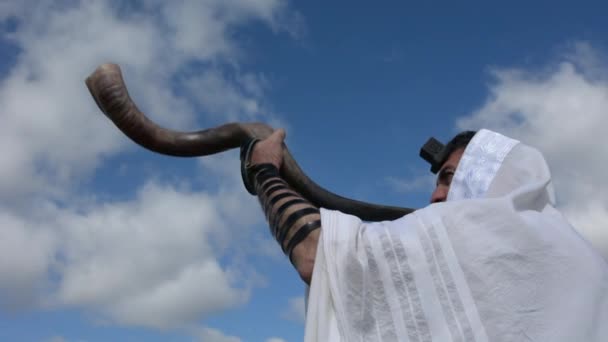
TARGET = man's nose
(440,194)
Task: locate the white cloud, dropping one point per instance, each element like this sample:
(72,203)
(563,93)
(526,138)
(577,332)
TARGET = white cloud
(296,310)
(153,260)
(562,111)
(26,254)
(213,335)
(424,182)
(275,339)
(47,110)
(219,97)
(148,261)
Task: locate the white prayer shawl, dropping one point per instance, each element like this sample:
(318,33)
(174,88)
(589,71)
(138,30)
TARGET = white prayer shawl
(496,262)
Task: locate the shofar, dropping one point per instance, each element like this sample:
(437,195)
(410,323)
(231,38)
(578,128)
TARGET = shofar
(110,93)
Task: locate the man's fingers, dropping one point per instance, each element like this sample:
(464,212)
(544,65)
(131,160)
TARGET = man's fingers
(278,135)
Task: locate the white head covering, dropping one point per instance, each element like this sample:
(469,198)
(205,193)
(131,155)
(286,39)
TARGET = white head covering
(479,164)
(492,160)
(496,262)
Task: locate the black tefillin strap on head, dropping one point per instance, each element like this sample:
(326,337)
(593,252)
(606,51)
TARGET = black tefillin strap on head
(434,152)
(255,176)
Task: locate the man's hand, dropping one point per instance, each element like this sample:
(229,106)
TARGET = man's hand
(269,150)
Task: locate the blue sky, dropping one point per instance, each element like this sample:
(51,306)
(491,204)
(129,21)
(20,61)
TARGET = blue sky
(103,241)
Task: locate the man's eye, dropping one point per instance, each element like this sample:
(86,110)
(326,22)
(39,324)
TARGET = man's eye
(449,175)
(445,177)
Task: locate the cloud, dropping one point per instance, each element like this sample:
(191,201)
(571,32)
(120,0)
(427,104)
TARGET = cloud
(216,95)
(47,110)
(25,257)
(156,259)
(296,310)
(146,262)
(56,339)
(561,110)
(213,335)
(275,339)
(407,185)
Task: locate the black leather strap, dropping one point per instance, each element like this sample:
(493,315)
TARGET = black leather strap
(268,189)
(277,216)
(262,173)
(269,204)
(271,190)
(300,235)
(291,220)
(250,172)
(272,182)
(275,199)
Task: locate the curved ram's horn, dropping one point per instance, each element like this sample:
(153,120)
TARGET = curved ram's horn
(110,93)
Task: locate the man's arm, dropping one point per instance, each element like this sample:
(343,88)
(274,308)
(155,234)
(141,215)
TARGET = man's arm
(293,220)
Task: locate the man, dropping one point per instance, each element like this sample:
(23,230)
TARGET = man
(454,151)
(490,259)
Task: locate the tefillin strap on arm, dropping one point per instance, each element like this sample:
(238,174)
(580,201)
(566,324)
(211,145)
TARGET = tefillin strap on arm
(264,180)
(434,152)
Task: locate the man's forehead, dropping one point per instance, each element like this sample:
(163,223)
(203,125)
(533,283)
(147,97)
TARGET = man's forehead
(437,154)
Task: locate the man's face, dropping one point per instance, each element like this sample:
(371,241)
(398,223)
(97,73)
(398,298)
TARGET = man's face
(444,176)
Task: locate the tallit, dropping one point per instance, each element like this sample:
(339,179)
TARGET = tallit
(496,262)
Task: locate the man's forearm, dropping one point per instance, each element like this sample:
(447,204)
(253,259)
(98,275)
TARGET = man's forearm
(293,220)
